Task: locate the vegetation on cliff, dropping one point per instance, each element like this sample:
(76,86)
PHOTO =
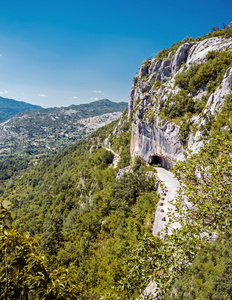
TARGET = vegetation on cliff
(85,217)
(203,208)
(80,233)
(210,275)
(226,32)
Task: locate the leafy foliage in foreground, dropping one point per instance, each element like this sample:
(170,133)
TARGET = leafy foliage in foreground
(210,275)
(25,272)
(203,207)
(206,183)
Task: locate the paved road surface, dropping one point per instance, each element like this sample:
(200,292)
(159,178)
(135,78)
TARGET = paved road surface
(167,193)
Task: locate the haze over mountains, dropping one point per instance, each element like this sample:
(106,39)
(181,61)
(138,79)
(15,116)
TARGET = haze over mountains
(10,107)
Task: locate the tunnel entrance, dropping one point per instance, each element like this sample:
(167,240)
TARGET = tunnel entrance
(159,160)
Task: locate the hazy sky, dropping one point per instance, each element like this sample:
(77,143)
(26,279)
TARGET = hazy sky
(62,52)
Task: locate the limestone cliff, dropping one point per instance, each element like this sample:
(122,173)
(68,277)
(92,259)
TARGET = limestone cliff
(161,103)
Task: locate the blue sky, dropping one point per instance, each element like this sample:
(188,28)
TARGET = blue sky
(62,52)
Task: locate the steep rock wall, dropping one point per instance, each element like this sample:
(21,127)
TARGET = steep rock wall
(149,140)
(152,134)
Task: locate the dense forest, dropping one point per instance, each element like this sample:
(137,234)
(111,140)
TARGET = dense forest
(83,215)
(210,275)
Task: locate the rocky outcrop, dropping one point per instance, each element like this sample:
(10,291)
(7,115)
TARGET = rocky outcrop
(164,71)
(213,105)
(123,171)
(217,99)
(199,50)
(155,65)
(179,57)
(156,144)
(143,71)
(153,138)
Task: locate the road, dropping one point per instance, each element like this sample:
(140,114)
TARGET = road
(114,153)
(167,193)
(167,189)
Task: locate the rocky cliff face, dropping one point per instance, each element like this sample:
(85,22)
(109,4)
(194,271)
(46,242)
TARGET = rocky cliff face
(156,137)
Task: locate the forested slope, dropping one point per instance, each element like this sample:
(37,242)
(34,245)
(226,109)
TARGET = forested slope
(10,107)
(210,275)
(97,228)
(82,214)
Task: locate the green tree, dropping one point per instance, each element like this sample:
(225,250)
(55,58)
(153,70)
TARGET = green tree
(210,275)
(203,209)
(52,237)
(25,273)
(206,179)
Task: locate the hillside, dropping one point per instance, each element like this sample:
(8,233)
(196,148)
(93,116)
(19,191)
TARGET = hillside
(94,211)
(180,101)
(176,98)
(82,213)
(48,130)
(210,275)
(10,107)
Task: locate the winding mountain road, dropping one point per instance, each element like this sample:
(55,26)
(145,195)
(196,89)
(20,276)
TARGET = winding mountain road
(167,193)
(167,189)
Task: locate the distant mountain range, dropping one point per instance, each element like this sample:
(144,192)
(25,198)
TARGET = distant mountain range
(10,107)
(47,130)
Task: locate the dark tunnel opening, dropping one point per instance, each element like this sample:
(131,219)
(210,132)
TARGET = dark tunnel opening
(159,160)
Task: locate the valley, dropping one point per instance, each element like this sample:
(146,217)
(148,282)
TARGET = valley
(47,131)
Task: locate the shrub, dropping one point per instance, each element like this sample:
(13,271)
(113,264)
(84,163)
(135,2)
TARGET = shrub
(184,132)
(209,277)
(178,105)
(207,75)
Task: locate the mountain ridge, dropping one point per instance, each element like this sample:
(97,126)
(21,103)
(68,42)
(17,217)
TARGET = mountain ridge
(40,131)
(10,107)
(161,105)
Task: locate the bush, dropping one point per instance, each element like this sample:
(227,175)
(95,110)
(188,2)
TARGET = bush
(178,105)
(207,75)
(184,132)
(210,275)
(165,52)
